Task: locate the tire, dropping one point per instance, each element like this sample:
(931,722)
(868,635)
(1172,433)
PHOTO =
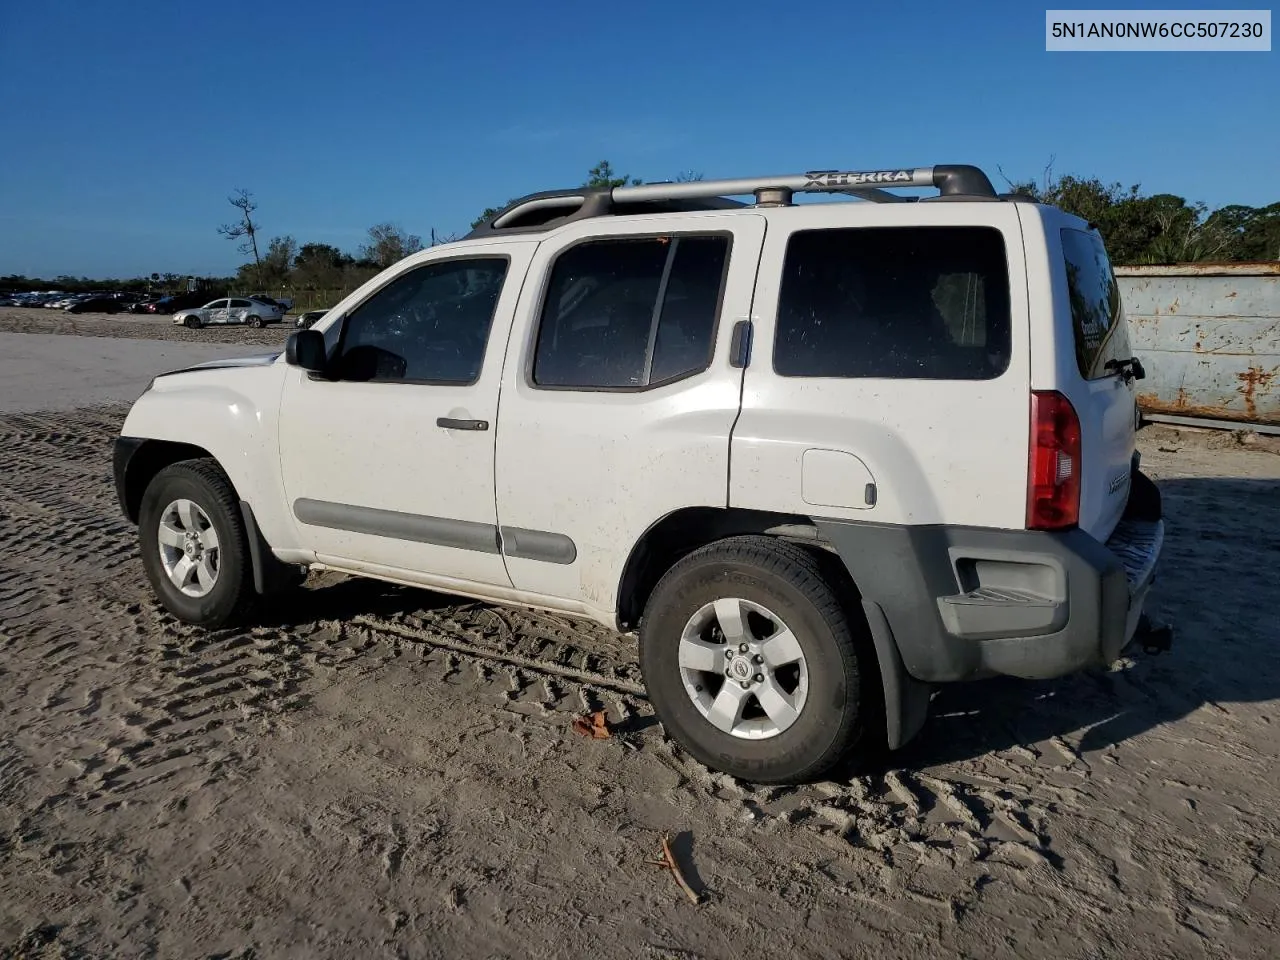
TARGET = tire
(255,322)
(786,582)
(229,595)
(191,323)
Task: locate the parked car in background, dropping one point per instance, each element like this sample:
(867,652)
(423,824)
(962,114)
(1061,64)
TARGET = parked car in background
(284,304)
(96,305)
(231,310)
(181,301)
(305,320)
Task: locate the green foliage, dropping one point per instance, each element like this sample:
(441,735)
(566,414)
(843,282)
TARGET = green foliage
(488,213)
(1255,231)
(319,266)
(277,262)
(603,175)
(1162,228)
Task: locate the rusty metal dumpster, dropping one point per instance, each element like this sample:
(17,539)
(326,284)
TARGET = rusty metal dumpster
(1208,335)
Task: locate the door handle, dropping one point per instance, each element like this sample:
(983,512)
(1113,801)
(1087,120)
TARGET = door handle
(740,344)
(449,423)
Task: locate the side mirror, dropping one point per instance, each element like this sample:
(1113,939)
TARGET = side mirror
(305,349)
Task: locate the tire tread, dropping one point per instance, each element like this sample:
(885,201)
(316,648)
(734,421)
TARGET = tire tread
(801,569)
(240,601)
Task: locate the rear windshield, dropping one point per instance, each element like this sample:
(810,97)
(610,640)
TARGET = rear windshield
(894,302)
(1096,318)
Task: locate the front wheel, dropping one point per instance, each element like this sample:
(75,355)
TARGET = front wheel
(751,664)
(195,549)
(192,323)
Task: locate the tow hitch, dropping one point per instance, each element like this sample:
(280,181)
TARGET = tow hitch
(1154,637)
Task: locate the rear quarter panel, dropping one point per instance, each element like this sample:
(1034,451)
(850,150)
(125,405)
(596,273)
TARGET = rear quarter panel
(1107,407)
(938,451)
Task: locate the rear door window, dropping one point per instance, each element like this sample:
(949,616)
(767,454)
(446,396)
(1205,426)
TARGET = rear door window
(1101,335)
(894,302)
(631,313)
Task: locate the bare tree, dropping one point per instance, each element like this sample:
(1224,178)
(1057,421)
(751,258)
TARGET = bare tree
(389,244)
(245,228)
(1029,187)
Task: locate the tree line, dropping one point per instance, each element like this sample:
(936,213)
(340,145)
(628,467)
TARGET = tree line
(1138,229)
(1160,228)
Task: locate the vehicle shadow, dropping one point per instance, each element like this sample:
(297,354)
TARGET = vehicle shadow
(344,599)
(1218,584)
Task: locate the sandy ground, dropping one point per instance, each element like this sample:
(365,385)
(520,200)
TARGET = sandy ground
(47,372)
(382,772)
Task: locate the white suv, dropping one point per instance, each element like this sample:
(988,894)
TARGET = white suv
(820,456)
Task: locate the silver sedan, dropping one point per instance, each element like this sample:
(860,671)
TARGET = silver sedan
(233,310)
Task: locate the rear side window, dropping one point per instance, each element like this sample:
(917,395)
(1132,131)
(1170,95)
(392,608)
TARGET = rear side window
(631,313)
(240,304)
(1101,335)
(894,302)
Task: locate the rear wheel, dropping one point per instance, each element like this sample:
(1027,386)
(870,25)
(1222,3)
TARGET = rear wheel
(255,322)
(751,662)
(195,550)
(192,323)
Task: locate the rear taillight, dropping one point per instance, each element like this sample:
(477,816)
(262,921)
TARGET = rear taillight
(1053,466)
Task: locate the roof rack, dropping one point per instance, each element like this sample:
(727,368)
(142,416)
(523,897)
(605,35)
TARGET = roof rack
(539,212)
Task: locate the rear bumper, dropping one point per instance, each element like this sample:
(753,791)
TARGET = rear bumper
(1097,602)
(964,603)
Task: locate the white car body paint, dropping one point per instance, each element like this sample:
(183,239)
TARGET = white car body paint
(913,436)
(1107,407)
(377,445)
(232,411)
(599,467)
(611,464)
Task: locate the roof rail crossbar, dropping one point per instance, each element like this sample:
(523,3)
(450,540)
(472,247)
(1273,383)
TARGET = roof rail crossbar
(567,201)
(951,181)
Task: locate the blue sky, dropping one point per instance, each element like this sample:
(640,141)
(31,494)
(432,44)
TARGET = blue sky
(125,125)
